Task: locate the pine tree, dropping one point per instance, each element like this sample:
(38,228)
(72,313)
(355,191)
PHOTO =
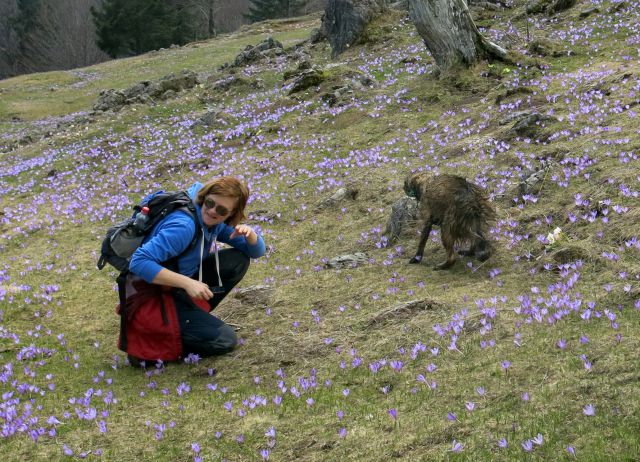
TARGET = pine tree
(131,27)
(26,18)
(259,10)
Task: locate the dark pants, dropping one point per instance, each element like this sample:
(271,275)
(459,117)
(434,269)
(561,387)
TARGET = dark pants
(204,334)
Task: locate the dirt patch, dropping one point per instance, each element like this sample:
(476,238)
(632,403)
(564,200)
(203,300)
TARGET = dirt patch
(404,311)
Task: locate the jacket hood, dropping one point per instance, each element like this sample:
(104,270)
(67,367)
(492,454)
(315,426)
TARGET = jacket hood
(193,194)
(193,190)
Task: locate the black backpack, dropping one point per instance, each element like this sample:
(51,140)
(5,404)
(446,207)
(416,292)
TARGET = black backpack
(125,237)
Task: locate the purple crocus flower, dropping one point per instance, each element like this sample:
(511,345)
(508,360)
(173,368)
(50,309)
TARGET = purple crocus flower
(396,365)
(589,410)
(456,446)
(538,439)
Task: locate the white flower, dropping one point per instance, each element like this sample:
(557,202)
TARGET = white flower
(555,236)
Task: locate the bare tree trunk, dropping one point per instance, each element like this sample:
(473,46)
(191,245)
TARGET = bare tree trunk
(64,38)
(9,42)
(211,27)
(344,21)
(450,34)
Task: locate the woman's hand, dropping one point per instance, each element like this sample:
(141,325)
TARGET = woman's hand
(197,289)
(193,287)
(246,231)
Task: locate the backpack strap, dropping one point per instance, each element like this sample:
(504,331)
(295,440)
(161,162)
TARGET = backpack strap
(172,263)
(122,294)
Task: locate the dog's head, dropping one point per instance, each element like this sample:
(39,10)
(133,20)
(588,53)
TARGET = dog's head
(413,185)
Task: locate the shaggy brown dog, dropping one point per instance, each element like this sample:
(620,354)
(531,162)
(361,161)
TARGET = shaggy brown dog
(460,208)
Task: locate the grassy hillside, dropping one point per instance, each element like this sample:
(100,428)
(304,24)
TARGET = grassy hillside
(531,355)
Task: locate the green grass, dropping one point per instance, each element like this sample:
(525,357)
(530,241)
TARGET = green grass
(332,325)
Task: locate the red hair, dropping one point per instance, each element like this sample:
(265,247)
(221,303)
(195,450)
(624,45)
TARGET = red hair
(227,186)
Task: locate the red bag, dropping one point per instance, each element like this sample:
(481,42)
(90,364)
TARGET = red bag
(150,329)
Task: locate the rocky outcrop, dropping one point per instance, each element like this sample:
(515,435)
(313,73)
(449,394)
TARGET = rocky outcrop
(269,47)
(404,214)
(146,92)
(348,193)
(307,78)
(348,261)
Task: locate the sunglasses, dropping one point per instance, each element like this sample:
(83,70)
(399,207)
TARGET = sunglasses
(220,209)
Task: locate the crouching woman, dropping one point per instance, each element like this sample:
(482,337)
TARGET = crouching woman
(179,275)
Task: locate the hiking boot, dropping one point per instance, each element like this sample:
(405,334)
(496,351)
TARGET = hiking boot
(135,362)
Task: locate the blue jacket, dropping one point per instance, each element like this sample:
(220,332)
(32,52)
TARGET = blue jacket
(172,235)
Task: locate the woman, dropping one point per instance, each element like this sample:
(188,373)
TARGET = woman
(182,253)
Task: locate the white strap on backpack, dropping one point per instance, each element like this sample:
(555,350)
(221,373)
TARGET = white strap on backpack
(215,246)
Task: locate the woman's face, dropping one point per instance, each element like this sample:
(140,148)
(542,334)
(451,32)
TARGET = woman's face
(216,209)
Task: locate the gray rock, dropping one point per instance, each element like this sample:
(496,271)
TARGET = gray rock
(145,91)
(537,6)
(228,82)
(545,47)
(348,261)
(269,44)
(110,100)
(317,36)
(530,125)
(347,193)
(561,5)
(248,56)
(485,5)
(215,118)
(336,94)
(404,311)
(513,117)
(178,81)
(404,215)
(169,94)
(302,66)
(531,182)
(589,11)
(251,53)
(135,90)
(307,78)
(211,118)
